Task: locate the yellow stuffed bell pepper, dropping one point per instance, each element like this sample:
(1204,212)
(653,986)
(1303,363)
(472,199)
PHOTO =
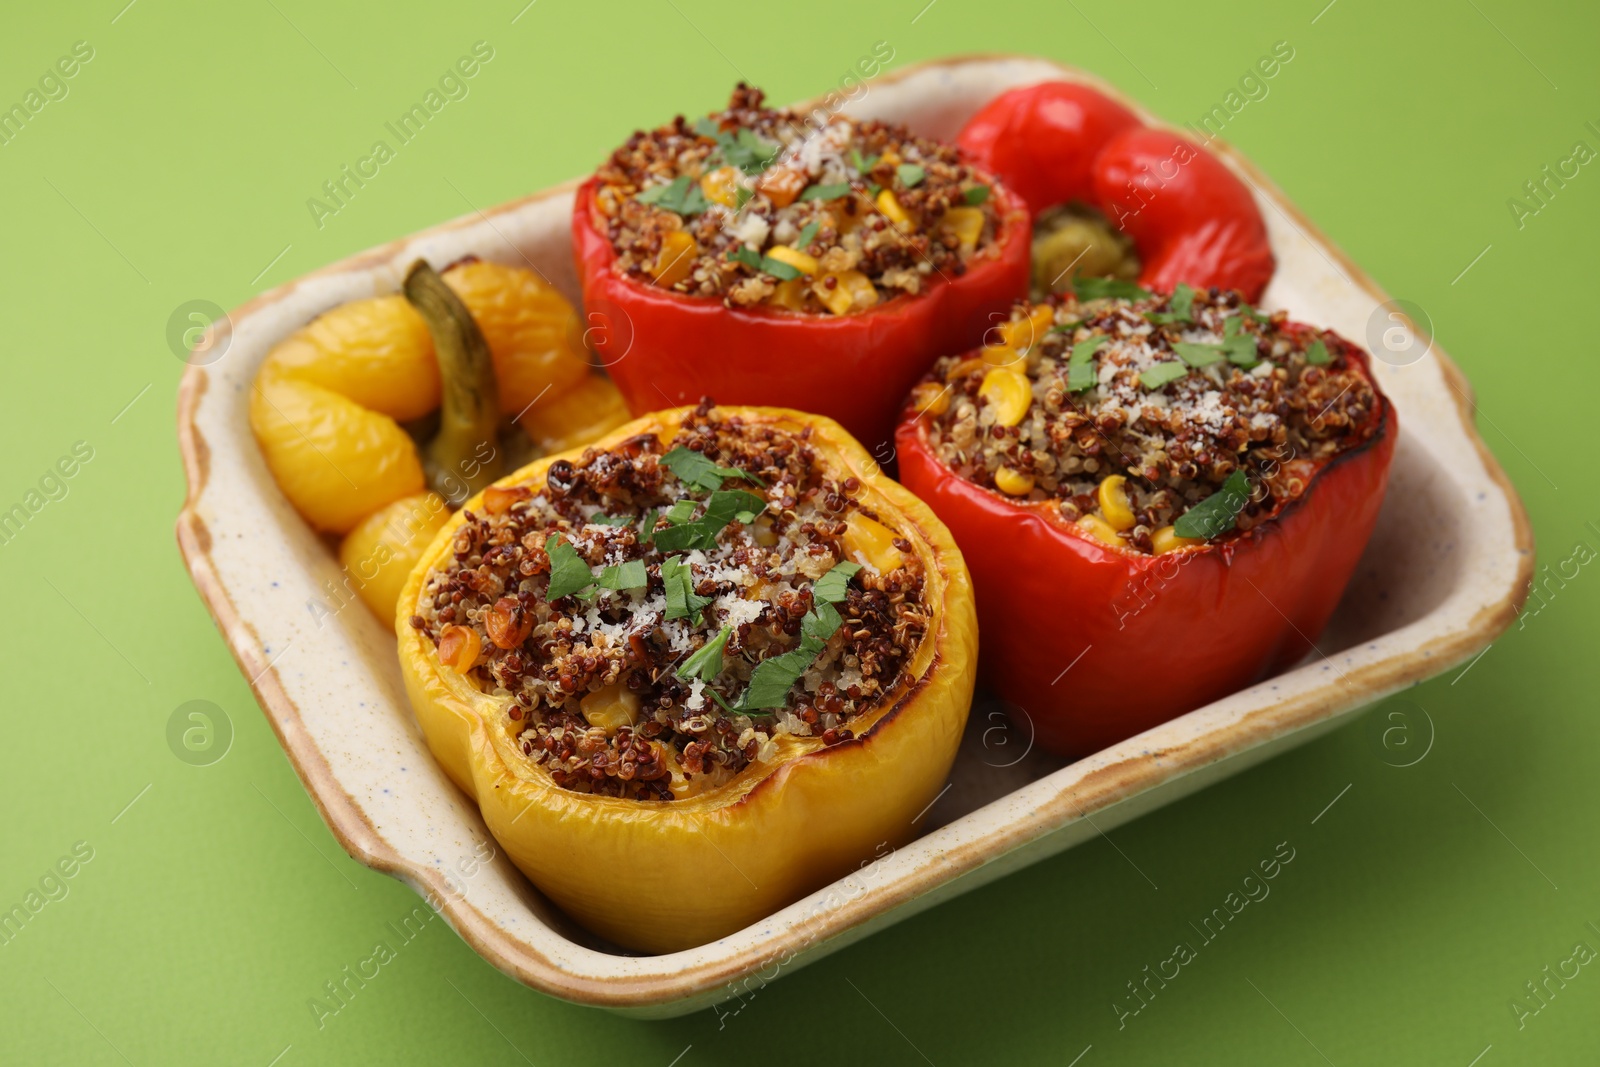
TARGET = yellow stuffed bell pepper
(330,399)
(709,664)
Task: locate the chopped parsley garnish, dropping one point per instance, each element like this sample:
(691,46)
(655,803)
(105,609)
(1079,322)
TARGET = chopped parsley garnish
(680,512)
(1159,374)
(1080,367)
(647,526)
(860,162)
(976,195)
(1182,302)
(741,149)
(1198,355)
(830,588)
(1102,288)
(682,601)
(765,264)
(694,469)
(599,519)
(568,572)
(779,269)
(772,679)
(724,507)
(826,192)
(1238,344)
(706,663)
(910,175)
(1241,349)
(629,575)
(750,153)
(820,623)
(1182,305)
(1217,513)
(1317,354)
(680,196)
(807,235)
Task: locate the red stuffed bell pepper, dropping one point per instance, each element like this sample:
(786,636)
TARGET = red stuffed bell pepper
(1064,146)
(809,260)
(1161,500)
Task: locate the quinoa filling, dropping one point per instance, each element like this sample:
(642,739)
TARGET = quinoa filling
(653,618)
(1153,422)
(768,207)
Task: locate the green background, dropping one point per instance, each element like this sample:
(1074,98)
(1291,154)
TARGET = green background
(177,169)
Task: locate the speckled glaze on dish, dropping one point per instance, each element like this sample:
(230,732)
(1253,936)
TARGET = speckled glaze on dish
(1445,573)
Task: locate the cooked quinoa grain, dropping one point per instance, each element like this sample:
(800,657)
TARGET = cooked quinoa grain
(768,207)
(1128,412)
(712,595)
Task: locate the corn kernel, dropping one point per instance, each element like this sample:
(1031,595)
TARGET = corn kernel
(999,355)
(1013,482)
(721,186)
(1100,530)
(890,206)
(678,252)
(967,225)
(1026,332)
(1166,539)
(851,291)
(611,708)
(795,258)
(931,398)
(1009,393)
(1113,494)
(964,368)
(790,294)
(872,541)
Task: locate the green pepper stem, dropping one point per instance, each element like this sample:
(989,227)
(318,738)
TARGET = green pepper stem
(465,455)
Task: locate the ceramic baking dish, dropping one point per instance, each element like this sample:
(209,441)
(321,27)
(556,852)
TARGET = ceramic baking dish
(1445,573)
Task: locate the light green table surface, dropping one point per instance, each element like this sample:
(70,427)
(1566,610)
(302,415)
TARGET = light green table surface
(177,167)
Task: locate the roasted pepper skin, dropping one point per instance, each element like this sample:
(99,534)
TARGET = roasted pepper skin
(665,876)
(671,349)
(1096,643)
(1192,219)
